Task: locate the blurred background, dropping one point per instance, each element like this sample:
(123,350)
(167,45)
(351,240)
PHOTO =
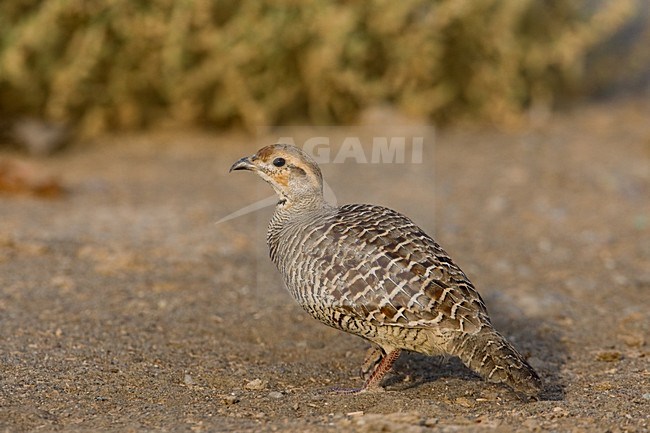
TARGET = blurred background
(124,307)
(94,67)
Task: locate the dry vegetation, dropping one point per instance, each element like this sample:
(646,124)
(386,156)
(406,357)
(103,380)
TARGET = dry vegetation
(126,63)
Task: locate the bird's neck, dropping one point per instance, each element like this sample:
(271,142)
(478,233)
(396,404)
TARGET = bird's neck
(291,206)
(290,214)
(289,209)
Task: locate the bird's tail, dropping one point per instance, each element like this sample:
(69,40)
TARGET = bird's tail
(489,354)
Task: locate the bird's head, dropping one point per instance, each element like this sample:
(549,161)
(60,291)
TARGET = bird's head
(292,173)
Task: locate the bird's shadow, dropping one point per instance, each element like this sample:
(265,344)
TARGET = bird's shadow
(537,340)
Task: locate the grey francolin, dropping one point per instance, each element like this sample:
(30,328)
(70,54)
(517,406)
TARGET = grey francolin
(372,272)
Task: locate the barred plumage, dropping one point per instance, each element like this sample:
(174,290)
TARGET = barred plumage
(372,272)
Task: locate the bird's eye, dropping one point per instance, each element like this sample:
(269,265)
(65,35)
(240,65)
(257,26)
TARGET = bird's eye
(279,162)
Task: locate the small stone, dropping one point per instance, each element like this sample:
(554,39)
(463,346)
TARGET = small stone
(255,385)
(646,395)
(430,422)
(187,380)
(230,399)
(276,394)
(603,386)
(633,339)
(465,402)
(611,356)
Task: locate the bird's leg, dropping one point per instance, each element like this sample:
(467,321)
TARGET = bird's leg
(373,357)
(381,368)
(373,370)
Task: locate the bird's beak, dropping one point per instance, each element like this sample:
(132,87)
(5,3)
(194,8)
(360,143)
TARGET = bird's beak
(243,164)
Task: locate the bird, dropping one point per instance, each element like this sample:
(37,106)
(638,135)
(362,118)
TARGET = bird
(370,271)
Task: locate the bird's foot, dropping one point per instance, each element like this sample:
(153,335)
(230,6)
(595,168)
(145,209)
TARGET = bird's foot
(375,367)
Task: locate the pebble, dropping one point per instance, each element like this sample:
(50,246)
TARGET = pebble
(609,356)
(276,394)
(188,380)
(255,385)
(230,399)
(465,402)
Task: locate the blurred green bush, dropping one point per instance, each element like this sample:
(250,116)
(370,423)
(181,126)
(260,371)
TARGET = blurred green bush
(130,63)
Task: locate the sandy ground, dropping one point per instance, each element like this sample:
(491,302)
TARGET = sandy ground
(124,307)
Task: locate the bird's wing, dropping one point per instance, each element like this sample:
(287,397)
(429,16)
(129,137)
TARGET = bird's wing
(395,273)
